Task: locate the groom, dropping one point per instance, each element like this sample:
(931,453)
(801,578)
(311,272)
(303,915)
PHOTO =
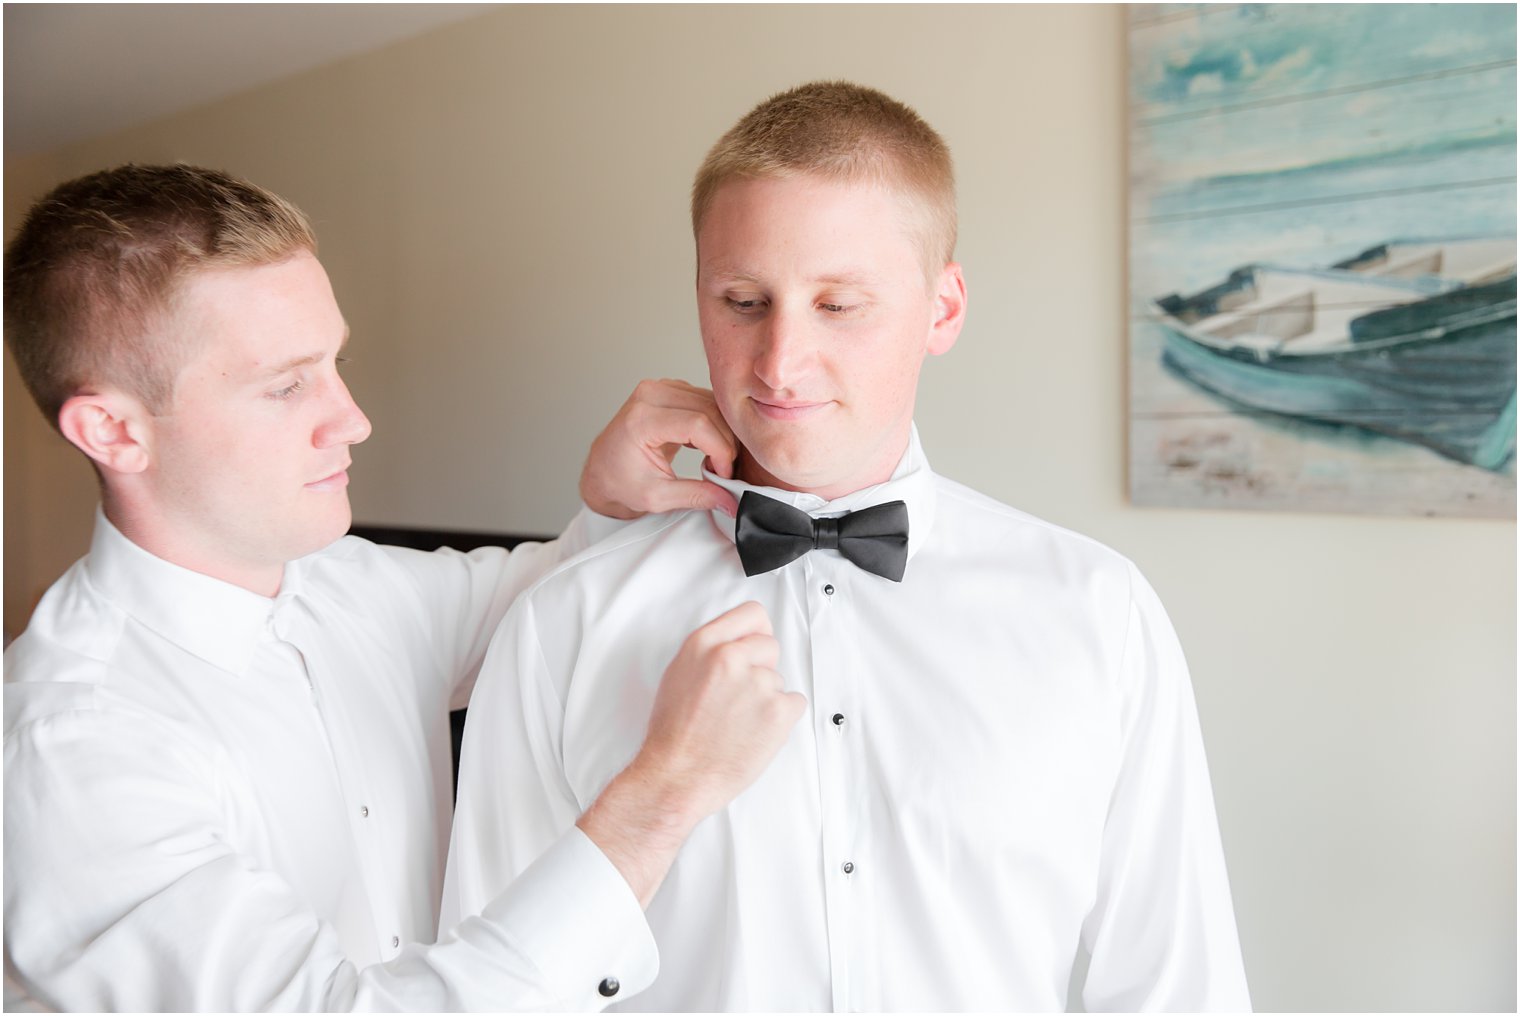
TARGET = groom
(1001,759)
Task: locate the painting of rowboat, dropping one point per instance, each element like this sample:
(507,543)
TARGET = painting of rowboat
(1322,257)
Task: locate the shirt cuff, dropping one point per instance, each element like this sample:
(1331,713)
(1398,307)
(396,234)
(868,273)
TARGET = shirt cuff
(589,936)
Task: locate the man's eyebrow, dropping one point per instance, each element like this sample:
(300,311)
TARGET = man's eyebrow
(307,360)
(730,273)
(839,277)
(848,277)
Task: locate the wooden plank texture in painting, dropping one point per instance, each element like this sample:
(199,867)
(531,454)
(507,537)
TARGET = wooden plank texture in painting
(1353,166)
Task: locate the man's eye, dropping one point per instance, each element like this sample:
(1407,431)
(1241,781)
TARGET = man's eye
(745,306)
(288,391)
(834,308)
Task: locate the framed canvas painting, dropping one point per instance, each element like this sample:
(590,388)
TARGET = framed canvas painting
(1322,257)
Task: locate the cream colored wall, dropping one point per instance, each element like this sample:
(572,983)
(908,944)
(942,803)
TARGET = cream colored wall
(49,491)
(502,210)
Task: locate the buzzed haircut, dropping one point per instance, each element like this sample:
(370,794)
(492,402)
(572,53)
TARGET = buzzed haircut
(97,263)
(839,131)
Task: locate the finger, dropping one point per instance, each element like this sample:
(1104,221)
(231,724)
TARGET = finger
(653,397)
(723,469)
(761,650)
(747,618)
(685,390)
(711,496)
(711,437)
(670,392)
(661,459)
(699,427)
(678,494)
(724,466)
(642,409)
(771,680)
(796,702)
(765,684)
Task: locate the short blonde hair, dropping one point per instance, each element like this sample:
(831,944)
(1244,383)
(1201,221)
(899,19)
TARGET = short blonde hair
(97,262)
(839,131)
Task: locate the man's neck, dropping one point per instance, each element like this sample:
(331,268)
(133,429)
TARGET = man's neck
(751,472)
(156,537)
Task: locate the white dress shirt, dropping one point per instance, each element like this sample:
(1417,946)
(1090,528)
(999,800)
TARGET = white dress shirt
(215,800)
(1001,757)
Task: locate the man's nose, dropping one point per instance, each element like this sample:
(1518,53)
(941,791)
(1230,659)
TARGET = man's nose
(345,422)
(787,352)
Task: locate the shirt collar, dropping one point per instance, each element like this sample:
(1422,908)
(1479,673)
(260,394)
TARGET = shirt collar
(911,482)
(214,620)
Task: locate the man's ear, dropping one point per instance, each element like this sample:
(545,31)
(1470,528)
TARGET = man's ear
(949,309)
(110,427)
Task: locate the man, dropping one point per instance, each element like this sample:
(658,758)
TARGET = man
(1001,758)
(226,729)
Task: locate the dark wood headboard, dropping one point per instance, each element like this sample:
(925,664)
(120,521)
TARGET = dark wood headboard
(432,539)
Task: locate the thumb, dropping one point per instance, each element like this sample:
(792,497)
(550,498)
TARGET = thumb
(674,495)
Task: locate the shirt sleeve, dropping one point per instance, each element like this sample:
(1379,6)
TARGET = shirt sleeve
(1162,932)
(514,801)
(464,595)
(123,893)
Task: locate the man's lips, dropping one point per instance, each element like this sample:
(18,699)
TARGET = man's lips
(335,481)
(786,409)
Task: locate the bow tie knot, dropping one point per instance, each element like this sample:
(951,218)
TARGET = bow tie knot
(770,534)
(825,534)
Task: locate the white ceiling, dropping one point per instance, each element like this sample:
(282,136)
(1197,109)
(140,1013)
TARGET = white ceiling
(74,71)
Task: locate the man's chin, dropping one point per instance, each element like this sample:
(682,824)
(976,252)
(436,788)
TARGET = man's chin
(777,467)
(319,537)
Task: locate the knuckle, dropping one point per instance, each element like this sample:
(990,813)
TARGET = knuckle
(727,656)
(700,641)
(637,411)
(715,643)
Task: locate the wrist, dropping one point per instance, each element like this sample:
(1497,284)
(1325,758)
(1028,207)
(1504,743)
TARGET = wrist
(640,822)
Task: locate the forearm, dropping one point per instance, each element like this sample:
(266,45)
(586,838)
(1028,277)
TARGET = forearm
(640,823)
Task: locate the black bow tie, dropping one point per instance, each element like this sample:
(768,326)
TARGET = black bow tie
(770,534)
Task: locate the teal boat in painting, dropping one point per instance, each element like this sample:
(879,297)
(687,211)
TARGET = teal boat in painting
(1411,339)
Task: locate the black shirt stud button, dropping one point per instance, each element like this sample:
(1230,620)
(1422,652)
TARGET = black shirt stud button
(608,987)
(848,866)
(828,590)
(838,719)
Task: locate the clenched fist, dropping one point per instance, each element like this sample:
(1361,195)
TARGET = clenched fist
(721,713)
(720,716)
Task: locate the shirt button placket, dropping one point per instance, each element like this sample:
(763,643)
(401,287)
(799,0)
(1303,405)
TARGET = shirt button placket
(352,782)
(832,689)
